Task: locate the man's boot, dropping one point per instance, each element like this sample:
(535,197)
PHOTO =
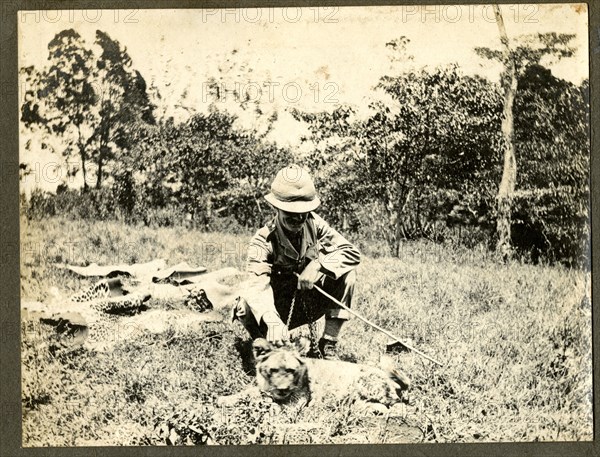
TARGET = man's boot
(328,349)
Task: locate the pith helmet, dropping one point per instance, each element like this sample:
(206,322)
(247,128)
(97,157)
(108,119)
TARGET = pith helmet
(293,191)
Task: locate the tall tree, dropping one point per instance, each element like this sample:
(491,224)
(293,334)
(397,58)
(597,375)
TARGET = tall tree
(124,101)
(526,51)
(509,171)
(62,97)
(89,101)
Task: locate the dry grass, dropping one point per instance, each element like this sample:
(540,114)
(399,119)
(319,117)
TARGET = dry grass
(515,340)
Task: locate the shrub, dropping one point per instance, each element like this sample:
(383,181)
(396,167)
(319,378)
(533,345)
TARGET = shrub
(552,225)
(40,205)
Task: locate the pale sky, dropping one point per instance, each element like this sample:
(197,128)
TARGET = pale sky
(308,58)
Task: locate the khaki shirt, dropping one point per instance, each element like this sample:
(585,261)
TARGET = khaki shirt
(272,257)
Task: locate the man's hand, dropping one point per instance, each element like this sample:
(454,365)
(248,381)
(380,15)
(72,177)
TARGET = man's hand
(311,275)
(277,331)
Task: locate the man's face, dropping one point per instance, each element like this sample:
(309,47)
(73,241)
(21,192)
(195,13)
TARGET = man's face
(292,222)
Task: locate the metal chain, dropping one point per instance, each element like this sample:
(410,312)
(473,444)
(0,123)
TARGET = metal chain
(289,319)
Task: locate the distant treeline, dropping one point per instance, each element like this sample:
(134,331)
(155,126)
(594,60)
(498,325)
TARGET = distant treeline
(425,163)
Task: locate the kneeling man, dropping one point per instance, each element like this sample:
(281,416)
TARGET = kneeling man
(294,252)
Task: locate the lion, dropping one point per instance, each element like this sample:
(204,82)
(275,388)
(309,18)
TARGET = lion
(287,378)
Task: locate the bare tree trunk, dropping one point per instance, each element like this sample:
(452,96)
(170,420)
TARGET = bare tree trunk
(82,155)
(104,139)
(85,185)
(398,233)
(99,172)
(509,172)
(209,211)
(100,164)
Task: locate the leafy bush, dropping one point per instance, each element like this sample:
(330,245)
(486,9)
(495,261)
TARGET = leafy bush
(40,205)
(553,225)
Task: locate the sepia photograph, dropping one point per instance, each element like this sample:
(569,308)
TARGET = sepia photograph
(305,225)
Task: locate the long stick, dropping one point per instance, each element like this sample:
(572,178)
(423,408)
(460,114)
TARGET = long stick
(372,324)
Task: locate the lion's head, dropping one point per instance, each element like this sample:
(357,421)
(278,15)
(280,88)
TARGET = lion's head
(279,371)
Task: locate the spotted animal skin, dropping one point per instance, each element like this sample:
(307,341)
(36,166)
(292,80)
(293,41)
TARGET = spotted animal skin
(103,323)
(99,290)
(99,299)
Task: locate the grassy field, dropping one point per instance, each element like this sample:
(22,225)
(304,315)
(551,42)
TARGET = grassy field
(515,340)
